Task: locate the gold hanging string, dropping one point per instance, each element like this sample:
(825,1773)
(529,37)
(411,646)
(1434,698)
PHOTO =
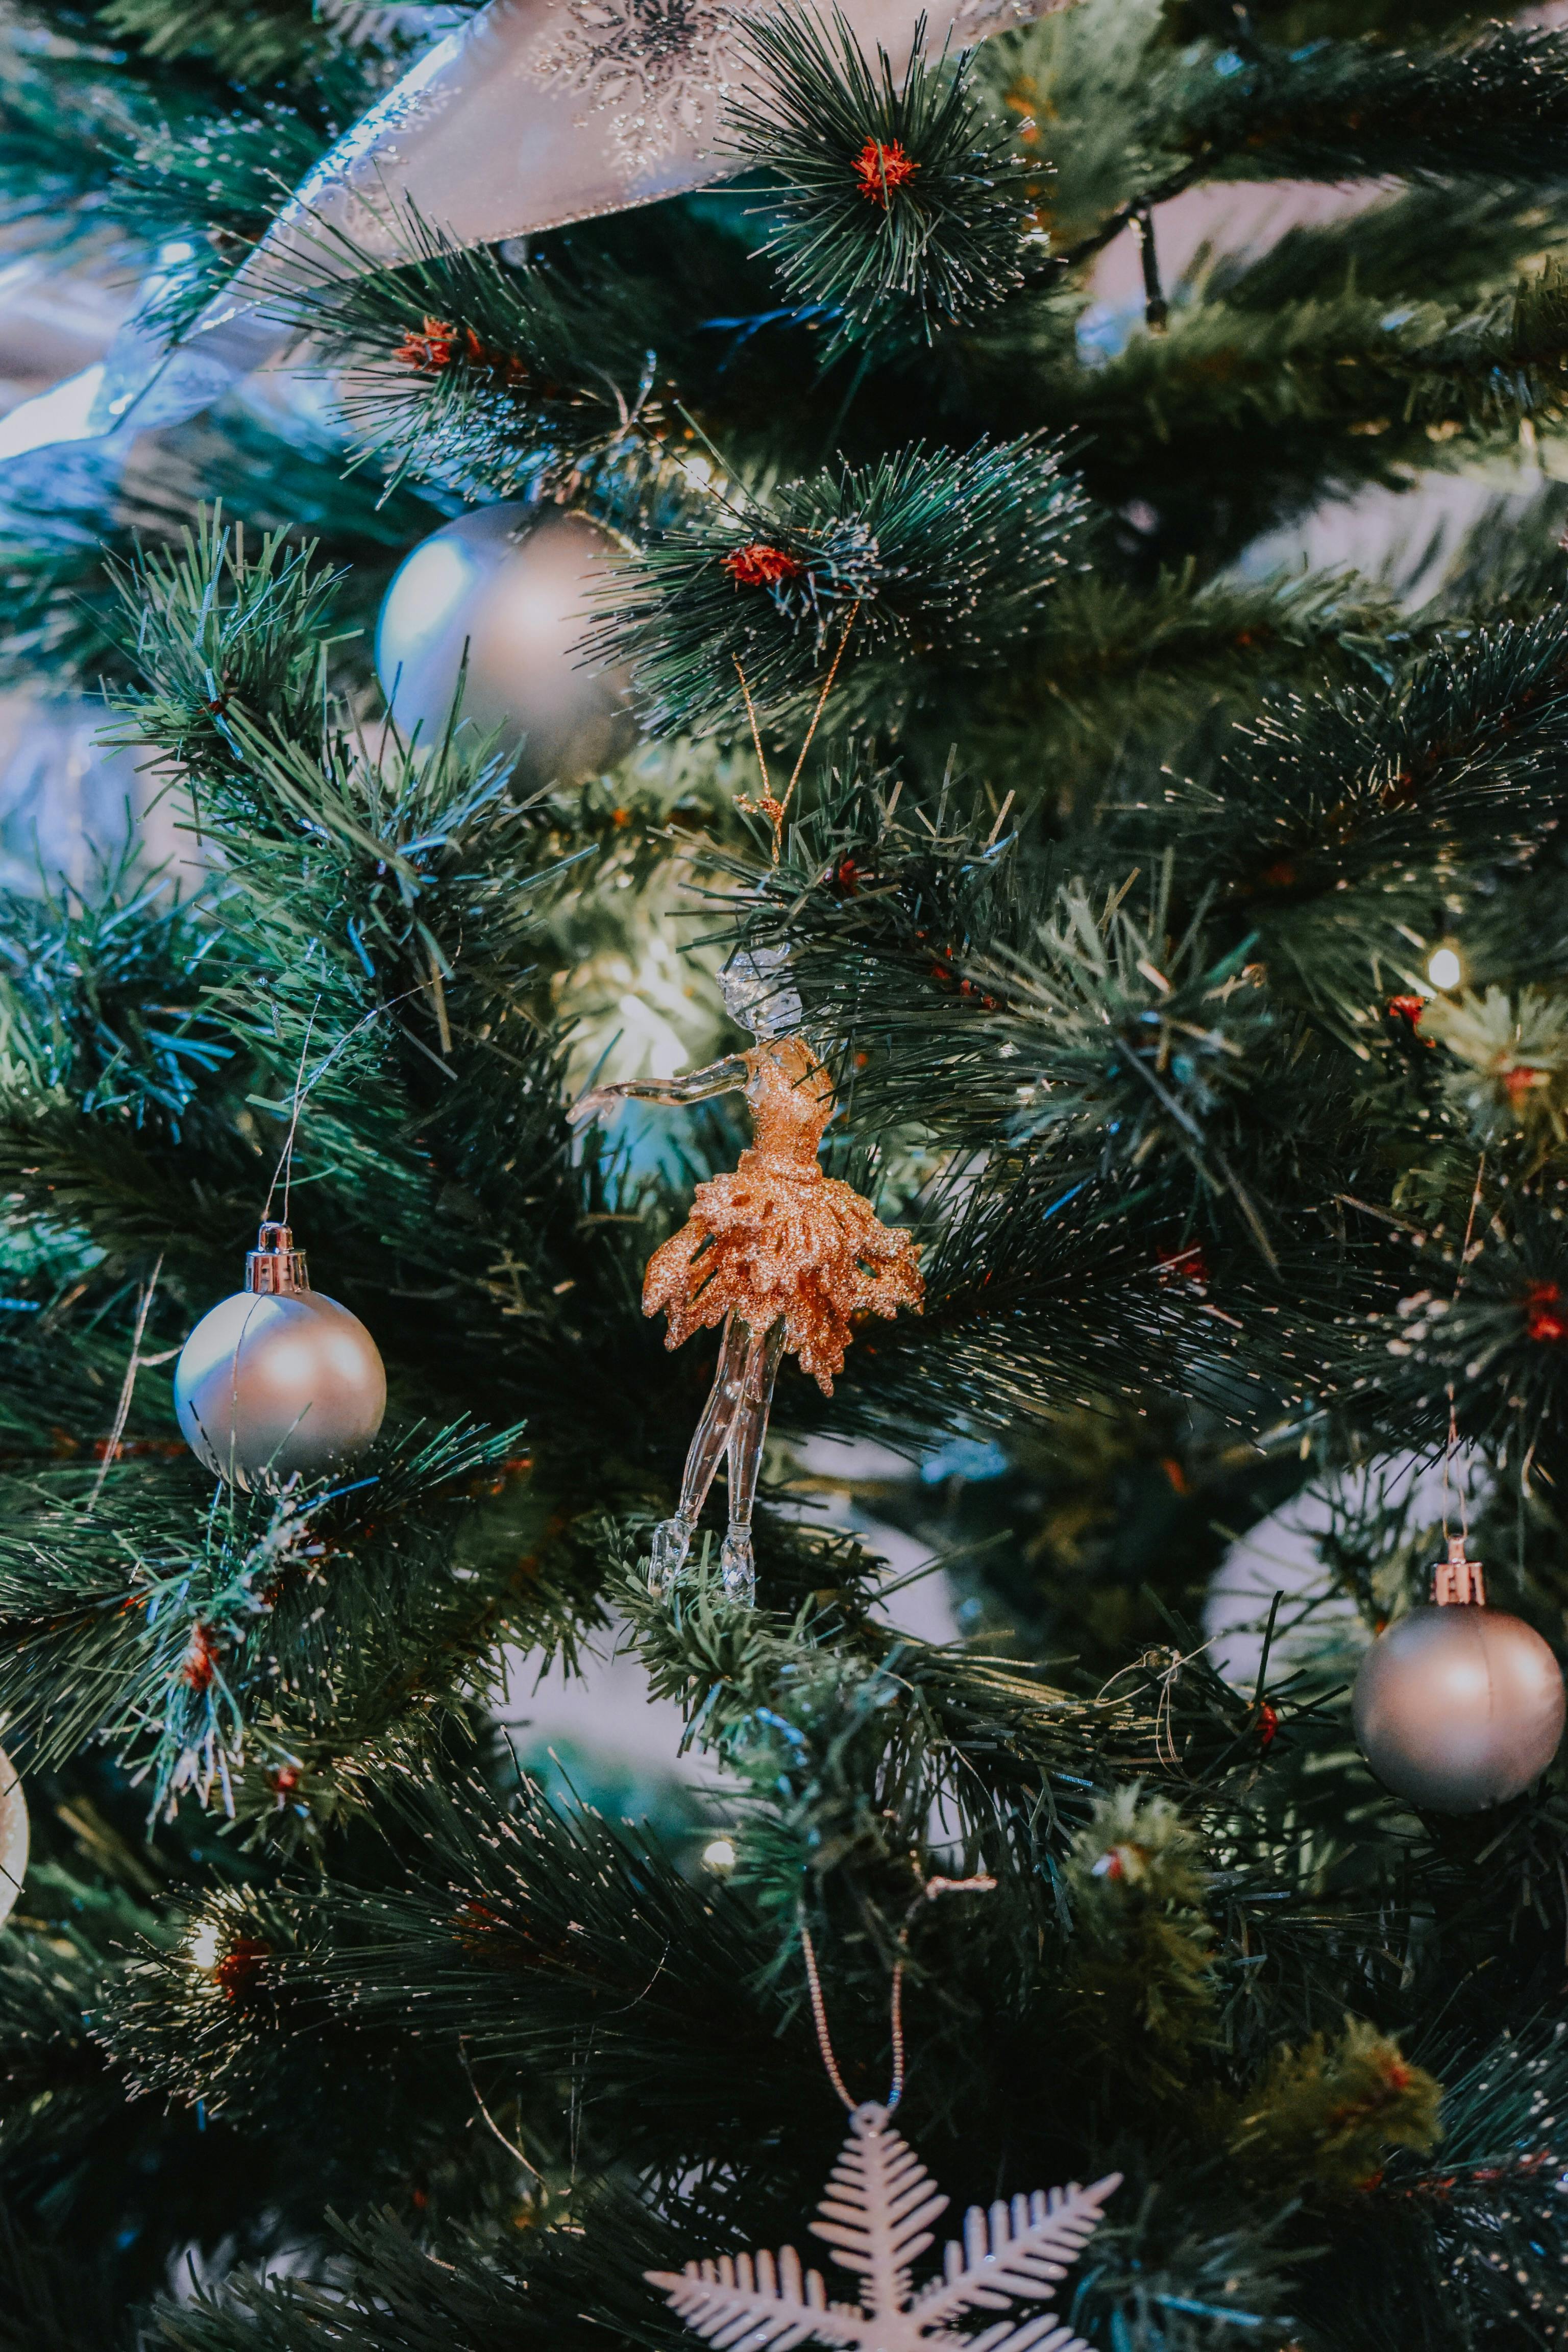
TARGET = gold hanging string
(303,1087)
(775,811)
(756,737)
(815,717)
(981,1883)
(1453,1421)
(127,1386)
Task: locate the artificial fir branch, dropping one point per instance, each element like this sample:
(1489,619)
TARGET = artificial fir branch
(1144,1963)
(932,547)
(902,207)
(470,367)
(1350,2101)
(60,556)
(1492,105)
(1102,1309)
(228,1643)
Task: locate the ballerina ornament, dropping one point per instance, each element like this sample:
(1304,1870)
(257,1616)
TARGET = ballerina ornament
(779,1253)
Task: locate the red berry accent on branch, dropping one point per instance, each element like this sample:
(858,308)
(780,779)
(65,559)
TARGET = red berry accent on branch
(1544,1317)
(879,169)
(240,1966)
(200,1662)
(1409,1008)
(440,345)
(1268,1726)
(434,348)
(761,566)
(474,1925)
(1187,1264)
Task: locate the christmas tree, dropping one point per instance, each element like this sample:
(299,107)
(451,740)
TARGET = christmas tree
(941,659)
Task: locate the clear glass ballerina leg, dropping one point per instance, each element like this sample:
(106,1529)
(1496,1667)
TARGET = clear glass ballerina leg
(727,1399)
(748,1435)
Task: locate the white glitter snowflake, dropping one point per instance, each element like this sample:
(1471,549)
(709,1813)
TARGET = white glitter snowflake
(874,2216)
(654,69)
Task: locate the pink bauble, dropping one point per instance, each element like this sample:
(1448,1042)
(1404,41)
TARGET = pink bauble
(1458,1707)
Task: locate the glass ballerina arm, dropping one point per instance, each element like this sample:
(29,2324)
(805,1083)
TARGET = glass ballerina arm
(726,1077)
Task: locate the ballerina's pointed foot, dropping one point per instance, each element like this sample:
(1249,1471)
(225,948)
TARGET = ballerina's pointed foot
(671,1542)
(737,1569)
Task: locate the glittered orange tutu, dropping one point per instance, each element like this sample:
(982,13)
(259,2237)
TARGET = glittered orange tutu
(777,1237)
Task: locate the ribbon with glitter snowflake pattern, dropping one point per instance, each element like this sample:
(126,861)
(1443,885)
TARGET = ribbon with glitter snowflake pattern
(531,114)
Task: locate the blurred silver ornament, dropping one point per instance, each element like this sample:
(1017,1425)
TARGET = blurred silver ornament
(12,1835)
(278,1379)
(510,590)
(1459,1707)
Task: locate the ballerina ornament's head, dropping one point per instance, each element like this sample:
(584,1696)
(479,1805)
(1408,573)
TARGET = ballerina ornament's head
(760,994)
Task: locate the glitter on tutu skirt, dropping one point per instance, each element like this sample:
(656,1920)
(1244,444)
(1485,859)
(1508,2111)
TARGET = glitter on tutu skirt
(771,1240)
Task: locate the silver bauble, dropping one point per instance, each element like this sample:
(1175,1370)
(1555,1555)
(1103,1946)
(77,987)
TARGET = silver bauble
(511,588)
(280,1378)
(1459,1707)
(12,1835)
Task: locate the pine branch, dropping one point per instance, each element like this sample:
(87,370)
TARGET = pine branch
(1330,390)
(1485,2200)
(1337,109)
(1142,1973)
(463,366)
(903,209)
(1113,664)
(55,2299)
(195,55)
(1488,1335)
(215,627)
(923,550)
(62,548)
(1333,2110)
(1335,791)
(212,1642)
(488,2291)
(284,40)
(101,1000)
(497,1936)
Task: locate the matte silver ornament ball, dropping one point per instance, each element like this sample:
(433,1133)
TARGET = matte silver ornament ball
(279,1379)
(508,590)
(1459,1707)
(12,1835)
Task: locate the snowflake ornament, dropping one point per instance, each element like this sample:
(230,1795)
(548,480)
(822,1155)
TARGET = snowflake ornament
(655,69)
(879,2199)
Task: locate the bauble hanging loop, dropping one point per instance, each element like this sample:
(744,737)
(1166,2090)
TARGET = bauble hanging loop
(279,1380)
(275,1266)
(1459,1707)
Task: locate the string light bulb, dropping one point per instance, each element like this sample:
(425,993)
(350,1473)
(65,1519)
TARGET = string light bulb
(719,1854)
(1444,969)
(205,1940)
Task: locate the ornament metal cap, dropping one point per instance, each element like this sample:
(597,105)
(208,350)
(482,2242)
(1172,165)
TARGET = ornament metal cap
(1458,1580)
(275,1265)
